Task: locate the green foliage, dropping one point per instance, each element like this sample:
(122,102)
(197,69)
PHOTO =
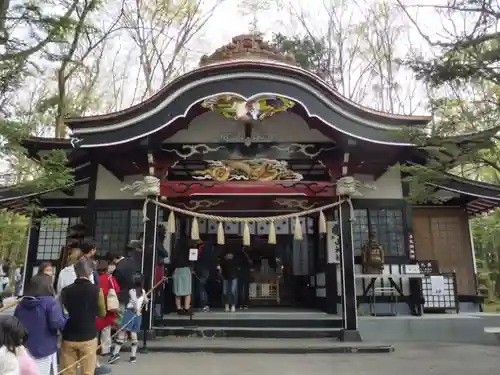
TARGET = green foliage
(50,171)
(309,53)
(420,180)
(60,35)
(486,232)
(13,238)
(20,51)
(464,85)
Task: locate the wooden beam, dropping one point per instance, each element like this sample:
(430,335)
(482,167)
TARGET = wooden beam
(239,151)
(172,189)
(108,165)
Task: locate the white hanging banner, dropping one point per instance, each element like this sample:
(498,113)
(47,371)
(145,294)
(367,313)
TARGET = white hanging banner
(252,292)
(437,285)
(266,290)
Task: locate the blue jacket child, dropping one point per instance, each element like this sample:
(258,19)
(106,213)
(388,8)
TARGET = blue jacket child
(42,316)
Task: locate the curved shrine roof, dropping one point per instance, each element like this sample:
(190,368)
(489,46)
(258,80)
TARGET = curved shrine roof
(249,70)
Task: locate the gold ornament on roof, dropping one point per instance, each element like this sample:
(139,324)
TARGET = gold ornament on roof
(237,108)
(248,47)
(247,170)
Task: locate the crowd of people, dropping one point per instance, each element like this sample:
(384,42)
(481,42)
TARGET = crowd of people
(231,265)
(64,324)
(61,329)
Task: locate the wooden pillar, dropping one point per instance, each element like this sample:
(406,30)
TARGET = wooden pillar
(336,168)
(88,217)
(148,258)
(408,222)
(330,271)
(32,247)
(349,306)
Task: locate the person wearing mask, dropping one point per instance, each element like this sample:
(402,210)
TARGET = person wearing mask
(67,275)
(182,279)
(107,283)
(88,251)
(244,278)
(135,253)
(229,271)
(125,269)
(41,314)
(84,304)
(132,320)
(46,269)
(14,359)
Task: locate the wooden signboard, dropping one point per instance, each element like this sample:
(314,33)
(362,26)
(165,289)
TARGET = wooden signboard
(428,267)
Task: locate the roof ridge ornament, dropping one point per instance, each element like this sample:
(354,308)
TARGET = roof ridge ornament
(249,47)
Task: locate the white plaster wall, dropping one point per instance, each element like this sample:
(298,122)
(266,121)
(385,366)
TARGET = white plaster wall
(284,127)
(388,186)
(389,269)
(108,186)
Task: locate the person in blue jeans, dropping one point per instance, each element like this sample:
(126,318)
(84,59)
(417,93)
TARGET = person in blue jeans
(205,266)
(229,272)
(203,275)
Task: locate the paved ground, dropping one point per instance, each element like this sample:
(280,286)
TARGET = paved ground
(408,359)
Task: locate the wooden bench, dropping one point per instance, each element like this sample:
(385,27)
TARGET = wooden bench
(494,331)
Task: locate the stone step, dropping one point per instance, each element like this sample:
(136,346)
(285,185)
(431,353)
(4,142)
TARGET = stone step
(260,345)
(249,332)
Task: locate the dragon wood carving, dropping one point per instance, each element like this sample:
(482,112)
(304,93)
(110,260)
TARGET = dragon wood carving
(247,170)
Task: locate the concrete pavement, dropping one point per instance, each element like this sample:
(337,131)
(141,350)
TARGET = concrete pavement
(408,359)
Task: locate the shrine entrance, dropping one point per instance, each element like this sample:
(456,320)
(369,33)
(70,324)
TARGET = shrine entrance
(279,273)
(293,289)
(282,274)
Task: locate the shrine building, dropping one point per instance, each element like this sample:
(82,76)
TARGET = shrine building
(249,134)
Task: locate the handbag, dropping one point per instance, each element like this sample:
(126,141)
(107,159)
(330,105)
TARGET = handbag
(112,303)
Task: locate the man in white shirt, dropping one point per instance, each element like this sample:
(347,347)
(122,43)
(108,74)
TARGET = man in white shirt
(67,275)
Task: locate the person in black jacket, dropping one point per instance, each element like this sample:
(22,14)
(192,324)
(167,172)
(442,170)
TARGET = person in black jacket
(126,268)
(205,267)
(244,277)
(84,304)
(228,266)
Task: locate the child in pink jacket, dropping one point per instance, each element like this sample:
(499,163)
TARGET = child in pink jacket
(14,359)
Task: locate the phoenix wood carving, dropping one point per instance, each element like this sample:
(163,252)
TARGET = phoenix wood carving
(256,108)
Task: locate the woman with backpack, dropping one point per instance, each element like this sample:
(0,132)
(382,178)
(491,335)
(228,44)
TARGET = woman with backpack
(110,290)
